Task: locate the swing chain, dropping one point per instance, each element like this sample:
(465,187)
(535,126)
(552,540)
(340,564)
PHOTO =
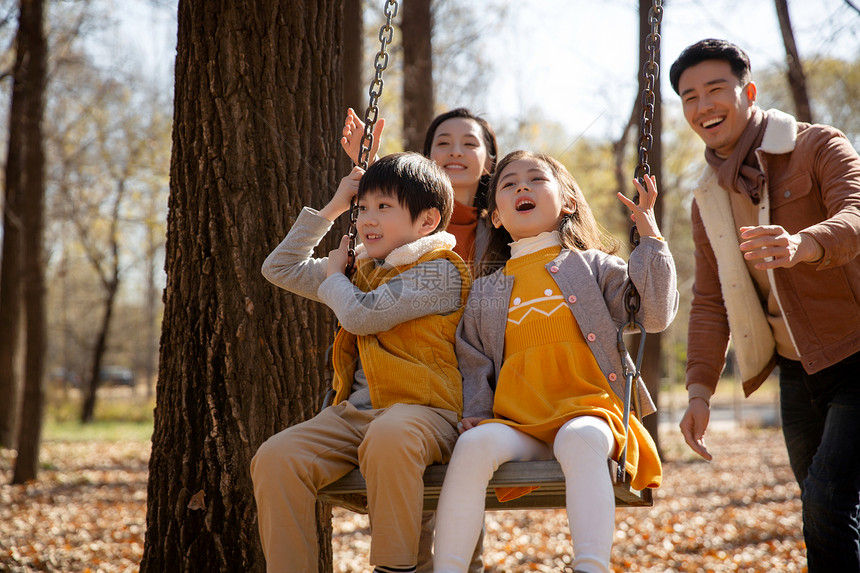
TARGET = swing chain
(650,72)
(371,115)
(386,35)
(632,298)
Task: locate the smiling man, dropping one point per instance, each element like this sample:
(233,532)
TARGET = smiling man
(776,226)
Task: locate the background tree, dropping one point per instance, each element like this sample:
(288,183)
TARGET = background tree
(103,157)
(10,270)
(652,368)
(108,145)
(254,140)
(652,363)
(30,80)
(834,86)
(682,166)
(418,111)
(63,26)
(153,194)
(463,66)
(796,77)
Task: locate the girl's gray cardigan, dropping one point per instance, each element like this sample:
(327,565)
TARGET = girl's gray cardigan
(593,285)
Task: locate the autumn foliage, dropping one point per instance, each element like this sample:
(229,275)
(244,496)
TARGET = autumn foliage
(739,513)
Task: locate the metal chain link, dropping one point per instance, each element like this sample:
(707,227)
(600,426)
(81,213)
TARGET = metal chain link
(651,73)
(371,115)
(380,64)
(632,299)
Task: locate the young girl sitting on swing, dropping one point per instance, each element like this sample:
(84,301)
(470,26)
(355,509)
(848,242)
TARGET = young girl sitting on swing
(539,337)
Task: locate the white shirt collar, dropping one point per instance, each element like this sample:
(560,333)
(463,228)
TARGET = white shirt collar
(529,245)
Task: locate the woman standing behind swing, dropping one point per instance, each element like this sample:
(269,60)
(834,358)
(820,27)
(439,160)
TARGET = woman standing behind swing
(464,145)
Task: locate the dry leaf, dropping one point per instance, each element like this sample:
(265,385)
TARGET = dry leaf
(197,501)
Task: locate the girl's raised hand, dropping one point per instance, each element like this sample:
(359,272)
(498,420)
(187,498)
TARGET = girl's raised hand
(353,131)
(342,199)
(643,212)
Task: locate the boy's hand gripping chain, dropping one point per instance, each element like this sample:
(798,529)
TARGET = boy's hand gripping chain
(386,34)
(632,300)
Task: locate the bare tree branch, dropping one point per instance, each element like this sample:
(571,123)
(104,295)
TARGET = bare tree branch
(796,77)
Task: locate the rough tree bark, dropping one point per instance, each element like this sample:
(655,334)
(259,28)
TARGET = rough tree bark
(796,77)
(355,90)
(257,121)
(417,31)
(354,87)
(33,74)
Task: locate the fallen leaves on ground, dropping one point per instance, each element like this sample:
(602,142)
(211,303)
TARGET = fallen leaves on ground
(740,512)
(86,513)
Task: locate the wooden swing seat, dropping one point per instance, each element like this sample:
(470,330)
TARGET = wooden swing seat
(350,491)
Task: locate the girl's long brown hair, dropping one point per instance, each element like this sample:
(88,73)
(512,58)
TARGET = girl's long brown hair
(579,230)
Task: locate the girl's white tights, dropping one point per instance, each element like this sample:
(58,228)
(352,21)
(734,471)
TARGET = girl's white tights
(582,447)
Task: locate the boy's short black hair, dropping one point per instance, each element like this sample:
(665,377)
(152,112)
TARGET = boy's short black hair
(711,49)
(416,181)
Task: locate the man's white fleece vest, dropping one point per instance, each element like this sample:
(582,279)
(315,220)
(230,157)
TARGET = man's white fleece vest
(750,331)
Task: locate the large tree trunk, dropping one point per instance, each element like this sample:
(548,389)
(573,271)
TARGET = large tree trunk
(796,77)
(417,30)
(355,91)
(31,40)
(257,121)
(652,363)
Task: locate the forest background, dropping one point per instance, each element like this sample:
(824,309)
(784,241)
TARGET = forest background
(558,77)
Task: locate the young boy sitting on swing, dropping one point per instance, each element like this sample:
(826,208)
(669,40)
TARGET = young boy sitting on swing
(398,392)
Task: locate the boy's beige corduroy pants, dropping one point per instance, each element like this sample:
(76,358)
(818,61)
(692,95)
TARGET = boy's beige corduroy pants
(392,447)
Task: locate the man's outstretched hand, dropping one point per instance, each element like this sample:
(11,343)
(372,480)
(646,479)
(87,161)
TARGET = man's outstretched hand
(693,426)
